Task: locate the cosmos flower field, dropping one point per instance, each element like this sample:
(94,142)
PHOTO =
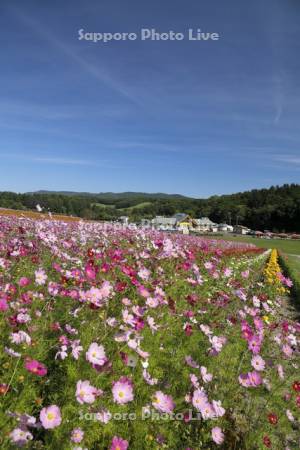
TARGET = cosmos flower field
(133,339)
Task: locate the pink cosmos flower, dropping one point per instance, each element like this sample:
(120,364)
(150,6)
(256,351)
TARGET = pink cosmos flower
(287,350)
(207,411)
(258,363)
(227,272)
(76,348)
(90,272)
(119,444)
(199,399)
(123,391)
(190,362)
(36,367)
(147,377)
(194,381)
(217,435)
(245,274)
(250,379)
(3,304)
(206,377)
(50,417)
(77,435)
(24,281)
(152,302)
(163,403)
(40,277)
(20,436)
(96,354)
(280,371)
(254,344)
(219,410)
(20,337)
(85,392)
(217,343)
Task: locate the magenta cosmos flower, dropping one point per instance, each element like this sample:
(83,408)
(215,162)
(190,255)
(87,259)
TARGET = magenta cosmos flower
(118,444)
(217,435)
(85,392)
(96,354)
(123,391)
(163,402)
(36,367)
(24,281)
(50,417)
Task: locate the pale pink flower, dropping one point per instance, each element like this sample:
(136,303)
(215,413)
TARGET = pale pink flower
(194,381)
(96,354)
(144,273)
(40,277)
(77,435)
(62,353)
(20,337)
(85,392)
(123,391)
(258,363)
(20,436)
(207,411)
(227,272)
(206,377)
(199,399)
(287,350)
(217,435)
(190,362)
(76,348)
(163,403)
(147,377)
(152,302)
(290,416)
(219,410)
(50,417)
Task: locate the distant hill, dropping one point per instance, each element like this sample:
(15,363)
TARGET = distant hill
(276,208)
(111,195)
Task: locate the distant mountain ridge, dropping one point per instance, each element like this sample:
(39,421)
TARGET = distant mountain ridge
(112,195)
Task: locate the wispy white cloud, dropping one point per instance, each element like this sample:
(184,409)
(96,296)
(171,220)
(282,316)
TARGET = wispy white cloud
(63,161)
(289,159)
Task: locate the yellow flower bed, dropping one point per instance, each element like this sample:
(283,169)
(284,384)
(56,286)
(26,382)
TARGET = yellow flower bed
(272,272)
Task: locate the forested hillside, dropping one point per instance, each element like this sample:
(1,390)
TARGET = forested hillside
(275,209)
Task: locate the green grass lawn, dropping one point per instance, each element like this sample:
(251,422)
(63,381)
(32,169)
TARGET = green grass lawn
(103,205)
(294,263)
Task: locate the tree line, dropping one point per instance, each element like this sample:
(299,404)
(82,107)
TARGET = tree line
(276,209)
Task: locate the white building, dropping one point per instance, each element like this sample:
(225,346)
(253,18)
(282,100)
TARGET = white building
(205,224)
(225,228)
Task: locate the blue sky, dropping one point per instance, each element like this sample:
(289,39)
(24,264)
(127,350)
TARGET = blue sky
(189,117)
